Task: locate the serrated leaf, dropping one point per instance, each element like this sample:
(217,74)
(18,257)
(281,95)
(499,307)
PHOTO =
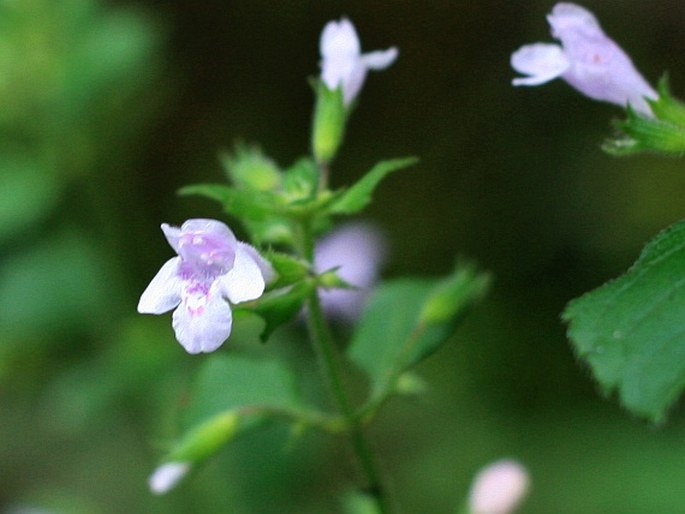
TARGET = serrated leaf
(396,332)
(249,168)
(245,204)
(359,195)
(631,331)
(301,180)
(289,269)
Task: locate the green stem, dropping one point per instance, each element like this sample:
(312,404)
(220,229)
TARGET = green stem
(332,368)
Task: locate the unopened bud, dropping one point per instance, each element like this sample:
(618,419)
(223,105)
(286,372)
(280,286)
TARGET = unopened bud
(499,488)
(199,444)
(166,476)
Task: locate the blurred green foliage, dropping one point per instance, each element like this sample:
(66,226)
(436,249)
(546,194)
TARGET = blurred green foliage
(105,113)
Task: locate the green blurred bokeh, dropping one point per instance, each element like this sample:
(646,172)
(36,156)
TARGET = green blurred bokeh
(107,108)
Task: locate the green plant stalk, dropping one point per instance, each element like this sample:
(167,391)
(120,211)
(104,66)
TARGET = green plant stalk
(331,366)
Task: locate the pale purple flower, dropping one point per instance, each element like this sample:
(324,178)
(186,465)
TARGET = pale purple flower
(587,59)
(357,250)
(211,268)
(343,64)
(499,488)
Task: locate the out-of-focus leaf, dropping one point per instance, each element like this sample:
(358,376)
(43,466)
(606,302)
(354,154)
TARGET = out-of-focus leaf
(242,203)
(408,319)
(357,502)
(249,168)
(61,283)
(234,382)
(29,191)
(301,180)
(631,331)
(280,307)
(359,195)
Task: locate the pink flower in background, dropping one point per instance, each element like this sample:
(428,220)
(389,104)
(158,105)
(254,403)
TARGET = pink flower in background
(343,64)
(587,59)
(358,250)
(211,267)
(499,488)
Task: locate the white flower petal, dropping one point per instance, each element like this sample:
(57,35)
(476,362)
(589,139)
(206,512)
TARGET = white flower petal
(342,64)
(172,234)
(335,71)
(166,476)
(245,281)
(565,16)
(541,61)
(164,291)
(210,227)
(599,68)
(353,83)
(339,38)
(202,322)
(380,59)
(265,267)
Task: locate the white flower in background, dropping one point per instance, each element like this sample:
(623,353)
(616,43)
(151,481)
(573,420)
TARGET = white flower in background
(211,267)
(587,59)
(343,64)
(166,476)
(357,250)
(499,488)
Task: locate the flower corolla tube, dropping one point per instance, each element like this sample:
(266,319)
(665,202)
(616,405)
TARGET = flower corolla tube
(587,59)
(212,269)
(343,64)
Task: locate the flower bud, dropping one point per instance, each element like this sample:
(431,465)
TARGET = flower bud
(166,476)
(199,444)
(499,488)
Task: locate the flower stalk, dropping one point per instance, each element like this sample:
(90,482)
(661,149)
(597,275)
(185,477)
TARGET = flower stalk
(331,367)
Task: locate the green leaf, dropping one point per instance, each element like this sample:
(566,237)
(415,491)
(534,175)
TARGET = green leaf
(280,307)
(29,191)
(664,133)
(631,331)
(249,168)
(241,203)
(238,383)
(668,108)
(289,269)
(301,180)
(359,195)
(408,319)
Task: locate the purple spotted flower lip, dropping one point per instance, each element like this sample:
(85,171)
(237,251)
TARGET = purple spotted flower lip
(587,59)
(343,64)
(212,269)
